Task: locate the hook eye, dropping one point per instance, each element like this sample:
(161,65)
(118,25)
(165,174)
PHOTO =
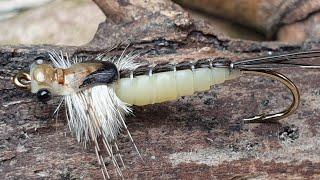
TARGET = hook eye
(273,118)
(22,80)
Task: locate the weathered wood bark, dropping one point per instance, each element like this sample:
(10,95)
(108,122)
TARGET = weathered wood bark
(198,137)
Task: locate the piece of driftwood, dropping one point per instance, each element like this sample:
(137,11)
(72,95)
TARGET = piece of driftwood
(198,137)
(289,21)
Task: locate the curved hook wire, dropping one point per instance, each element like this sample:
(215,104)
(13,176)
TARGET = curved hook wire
(22,80)
(272,118)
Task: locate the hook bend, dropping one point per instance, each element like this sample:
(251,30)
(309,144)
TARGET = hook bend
(273,118)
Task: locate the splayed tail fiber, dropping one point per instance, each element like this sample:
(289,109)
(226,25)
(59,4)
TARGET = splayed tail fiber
(305,59)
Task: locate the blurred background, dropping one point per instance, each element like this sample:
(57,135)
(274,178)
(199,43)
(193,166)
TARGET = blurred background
(61,22)
(74,22)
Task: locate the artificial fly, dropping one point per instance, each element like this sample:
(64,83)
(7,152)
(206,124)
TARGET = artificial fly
(98,93)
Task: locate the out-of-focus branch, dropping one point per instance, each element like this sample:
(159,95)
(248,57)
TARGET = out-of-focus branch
(268,17)
(112,10)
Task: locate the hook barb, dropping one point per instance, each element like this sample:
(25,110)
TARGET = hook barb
(273,118)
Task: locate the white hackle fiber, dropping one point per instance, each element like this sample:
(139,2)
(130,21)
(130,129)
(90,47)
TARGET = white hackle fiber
(97,113)
(124,62)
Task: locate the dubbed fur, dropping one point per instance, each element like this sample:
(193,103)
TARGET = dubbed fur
(97,114)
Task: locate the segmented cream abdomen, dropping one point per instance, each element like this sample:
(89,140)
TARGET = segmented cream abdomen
(166,86)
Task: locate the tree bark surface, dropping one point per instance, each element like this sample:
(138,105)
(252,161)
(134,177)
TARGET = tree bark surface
(197,137)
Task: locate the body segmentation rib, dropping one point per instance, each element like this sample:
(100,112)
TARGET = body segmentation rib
(165,86)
